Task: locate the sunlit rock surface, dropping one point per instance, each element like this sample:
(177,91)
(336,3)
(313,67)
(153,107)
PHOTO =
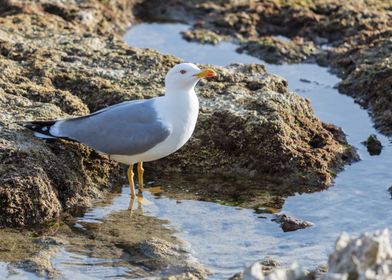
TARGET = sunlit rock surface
(62,59)
(353,37)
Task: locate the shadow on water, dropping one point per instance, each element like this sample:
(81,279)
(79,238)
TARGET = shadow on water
(102,243)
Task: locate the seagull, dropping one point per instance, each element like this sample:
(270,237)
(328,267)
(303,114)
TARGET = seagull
(136,131)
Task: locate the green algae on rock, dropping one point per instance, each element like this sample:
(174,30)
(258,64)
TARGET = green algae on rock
(58,61)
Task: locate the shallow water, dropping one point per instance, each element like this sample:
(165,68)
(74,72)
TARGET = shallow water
(358,202)
(225,238)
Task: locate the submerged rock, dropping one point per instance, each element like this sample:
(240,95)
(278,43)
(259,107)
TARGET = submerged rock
(291,224)
(147,245)
(65,59)
(122,241)
(171,259)
(41,262)
(373,145)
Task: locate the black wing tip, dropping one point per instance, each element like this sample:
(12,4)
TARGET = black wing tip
(42,127)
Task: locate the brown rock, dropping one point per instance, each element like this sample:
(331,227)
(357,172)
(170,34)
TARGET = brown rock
(291,224)
(57,63)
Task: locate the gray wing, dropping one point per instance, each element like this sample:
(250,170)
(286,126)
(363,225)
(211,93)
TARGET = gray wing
(127,128)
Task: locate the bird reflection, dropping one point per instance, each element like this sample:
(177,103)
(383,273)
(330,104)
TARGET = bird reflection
(141,200)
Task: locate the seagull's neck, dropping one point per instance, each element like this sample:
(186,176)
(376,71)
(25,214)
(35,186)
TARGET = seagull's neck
(180,93)
(180,109)
(181,101)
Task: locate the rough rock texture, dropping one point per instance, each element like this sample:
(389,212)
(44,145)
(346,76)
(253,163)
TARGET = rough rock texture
(251,124)
(367,257)
(294,272)
(290,223)
(42,46)
(266,265)
(277,50)
(270,269)
(63,58)
(202,36)
(353,37)
(41,262)
(170,258)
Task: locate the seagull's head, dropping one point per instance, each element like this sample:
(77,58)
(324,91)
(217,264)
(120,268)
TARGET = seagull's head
(184,77)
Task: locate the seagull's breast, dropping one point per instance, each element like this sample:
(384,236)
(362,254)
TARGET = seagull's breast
(178,111)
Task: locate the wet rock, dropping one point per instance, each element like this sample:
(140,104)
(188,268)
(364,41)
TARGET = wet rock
(251,25)
(171,259)
(201,36)
(365,65)
(136,243)
(373,145)
(41,262)
(291,224)
(146,245)
(267,197)
(390,190)
(275,50)
(64,58)
(17,244)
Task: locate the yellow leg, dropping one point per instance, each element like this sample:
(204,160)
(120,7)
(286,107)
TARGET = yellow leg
(130,179)
(140,172)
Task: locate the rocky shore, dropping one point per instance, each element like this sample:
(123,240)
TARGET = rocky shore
(67,58)
(366,257)
(353,38)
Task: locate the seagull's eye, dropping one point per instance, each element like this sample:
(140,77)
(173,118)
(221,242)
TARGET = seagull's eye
(183,71)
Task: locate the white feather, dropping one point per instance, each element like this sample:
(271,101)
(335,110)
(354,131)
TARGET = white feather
(179,108)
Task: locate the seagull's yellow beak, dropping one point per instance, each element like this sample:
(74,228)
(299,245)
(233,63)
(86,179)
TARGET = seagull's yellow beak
(206,73)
